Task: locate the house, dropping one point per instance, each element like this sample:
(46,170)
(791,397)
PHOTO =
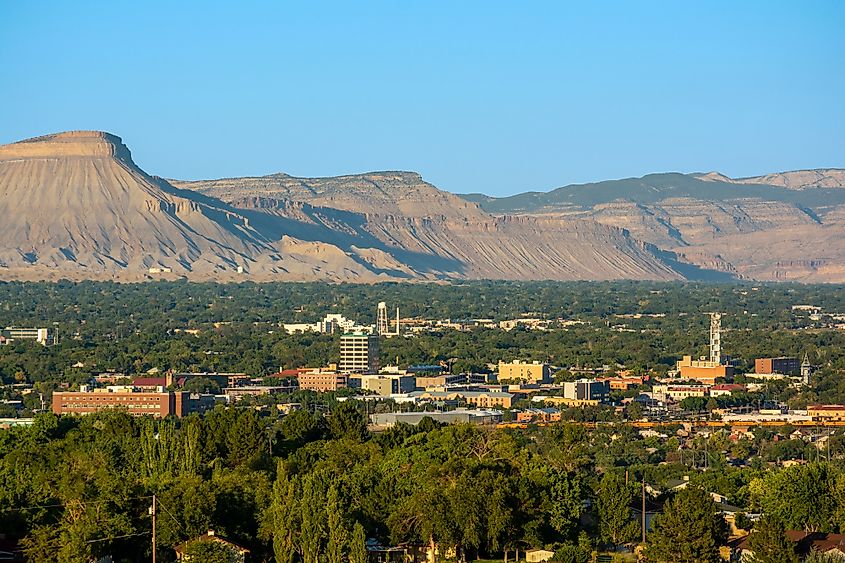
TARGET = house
(537,555)
(402,553)
(241,552)
(805,542)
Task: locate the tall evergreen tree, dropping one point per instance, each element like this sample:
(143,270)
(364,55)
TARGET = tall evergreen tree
(312,507)
(338,535)
(358,546)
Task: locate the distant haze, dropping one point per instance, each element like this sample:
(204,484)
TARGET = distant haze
(489,97)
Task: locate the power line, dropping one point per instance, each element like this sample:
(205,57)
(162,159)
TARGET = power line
(63,504)
(118,537)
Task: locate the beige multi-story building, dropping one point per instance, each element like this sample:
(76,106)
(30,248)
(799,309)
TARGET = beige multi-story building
(533,372)
(481,399)
(389,384)
(359,353)
(322,380)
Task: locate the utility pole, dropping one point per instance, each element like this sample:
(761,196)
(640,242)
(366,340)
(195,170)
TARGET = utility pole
(643,519)
(153,514)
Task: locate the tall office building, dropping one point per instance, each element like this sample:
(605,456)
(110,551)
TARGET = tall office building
(359,353)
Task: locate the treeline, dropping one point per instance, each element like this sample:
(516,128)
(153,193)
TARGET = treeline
(177,304)
(308,487)
(134,342)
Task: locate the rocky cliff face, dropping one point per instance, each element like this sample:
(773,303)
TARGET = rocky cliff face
(790,229)
(794,180)
(386,193)
(76,206)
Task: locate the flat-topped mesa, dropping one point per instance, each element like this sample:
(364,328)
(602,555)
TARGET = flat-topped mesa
(83,144)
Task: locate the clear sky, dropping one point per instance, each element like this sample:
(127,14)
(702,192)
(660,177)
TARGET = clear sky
(495,97)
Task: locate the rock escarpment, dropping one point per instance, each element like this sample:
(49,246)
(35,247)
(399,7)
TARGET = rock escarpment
(76,206)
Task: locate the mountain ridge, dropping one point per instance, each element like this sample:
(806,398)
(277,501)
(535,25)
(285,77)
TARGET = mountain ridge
(80,208)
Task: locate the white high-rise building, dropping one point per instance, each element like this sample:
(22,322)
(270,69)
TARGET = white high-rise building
(716,338)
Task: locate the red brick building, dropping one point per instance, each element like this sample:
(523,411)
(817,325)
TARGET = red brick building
(136,403)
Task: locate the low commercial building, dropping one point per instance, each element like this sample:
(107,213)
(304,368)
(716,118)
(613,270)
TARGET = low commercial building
(538,555)
(826,413)
(623,383)
(136,403)
(533,372)
(235,393)
(781,365)
(431,381)
(703,370)
(539,415)
(725,389)
(474,416)
(564,402)
(388,384)
(678,393)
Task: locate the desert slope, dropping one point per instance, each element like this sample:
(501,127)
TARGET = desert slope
(386,193)
(415,219)
(789,229)
(76,206)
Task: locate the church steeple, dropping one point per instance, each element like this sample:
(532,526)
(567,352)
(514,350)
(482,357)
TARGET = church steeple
(806,369)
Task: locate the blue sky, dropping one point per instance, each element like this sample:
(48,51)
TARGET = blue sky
(495,97)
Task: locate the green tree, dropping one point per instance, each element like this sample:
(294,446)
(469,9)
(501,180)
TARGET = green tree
(338,535)
(688,531)
(819,557)
(201,385)
(802,497)
(570,553)
(210,552)
(566,501)
(358,546)
(614,500)
(346,421)
(312,507)
(769,543)
(285,516)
